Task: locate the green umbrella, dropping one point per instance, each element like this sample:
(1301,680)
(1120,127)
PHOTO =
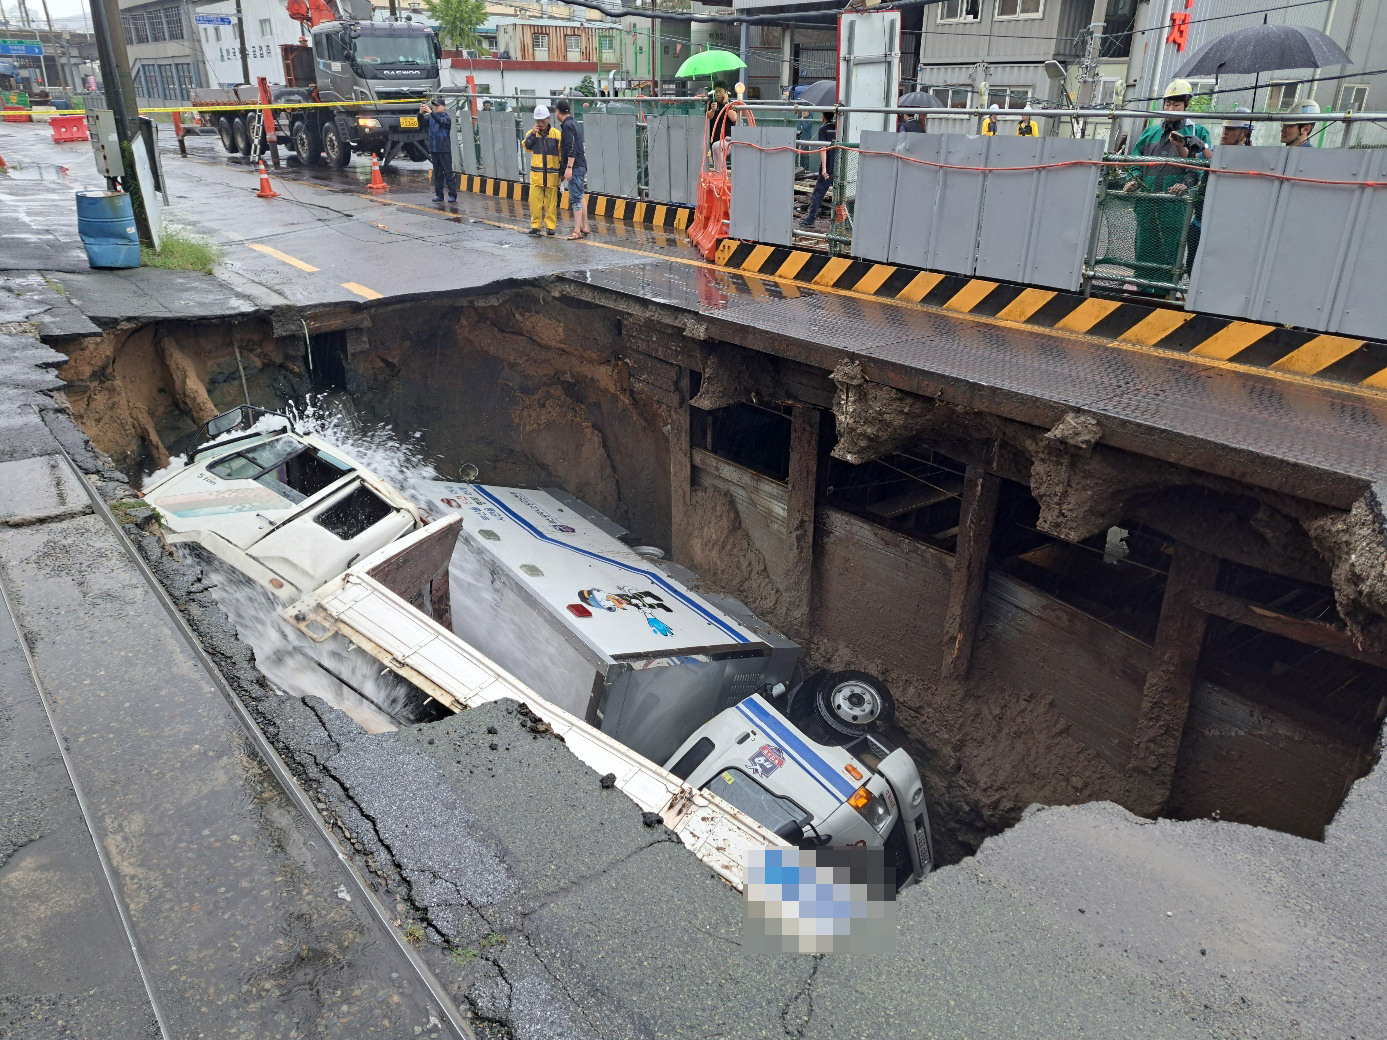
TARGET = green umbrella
(705,63)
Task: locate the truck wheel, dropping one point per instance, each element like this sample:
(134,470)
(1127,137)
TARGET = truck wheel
(241,133)
(853,703)
(227,135)
(415,152)
(308,143)
(335,147)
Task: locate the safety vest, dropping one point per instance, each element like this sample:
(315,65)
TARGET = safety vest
(544,151)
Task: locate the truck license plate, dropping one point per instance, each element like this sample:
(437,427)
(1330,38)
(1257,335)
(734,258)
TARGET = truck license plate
(409,122)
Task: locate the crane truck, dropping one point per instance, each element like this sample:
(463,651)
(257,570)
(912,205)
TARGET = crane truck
(378,72)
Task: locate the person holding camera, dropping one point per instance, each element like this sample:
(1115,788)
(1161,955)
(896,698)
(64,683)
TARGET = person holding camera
(545,145)
(440,127)
(1162,224)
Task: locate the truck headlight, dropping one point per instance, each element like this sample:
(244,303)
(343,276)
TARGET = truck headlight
(369,122)
(872,807)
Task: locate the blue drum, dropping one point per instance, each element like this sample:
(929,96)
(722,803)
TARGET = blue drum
(106,223)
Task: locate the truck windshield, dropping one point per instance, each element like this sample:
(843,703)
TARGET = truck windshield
(393,50)
(773,812)
(285,465)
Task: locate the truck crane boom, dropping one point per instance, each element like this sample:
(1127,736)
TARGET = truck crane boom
(309,13)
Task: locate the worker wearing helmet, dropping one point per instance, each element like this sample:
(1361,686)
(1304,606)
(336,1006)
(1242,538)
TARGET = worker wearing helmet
(1297,135)
(544,143)
(1237,131)
(1162,224)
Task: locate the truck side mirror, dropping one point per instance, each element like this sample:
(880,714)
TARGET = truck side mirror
(437,49)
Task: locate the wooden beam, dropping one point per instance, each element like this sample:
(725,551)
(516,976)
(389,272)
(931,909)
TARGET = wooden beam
(973,549)
(1318,634)
(680,469)
(799,520)
(1165,698)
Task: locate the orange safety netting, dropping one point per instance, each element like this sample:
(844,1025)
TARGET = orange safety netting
(709,224)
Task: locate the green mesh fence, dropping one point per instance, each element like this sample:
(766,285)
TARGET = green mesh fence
(1146,225)
(843,198)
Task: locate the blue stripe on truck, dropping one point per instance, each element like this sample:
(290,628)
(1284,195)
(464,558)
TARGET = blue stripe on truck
(796,748)
(658,579)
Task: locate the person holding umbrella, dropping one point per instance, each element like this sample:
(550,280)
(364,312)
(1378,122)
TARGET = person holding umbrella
(721,118)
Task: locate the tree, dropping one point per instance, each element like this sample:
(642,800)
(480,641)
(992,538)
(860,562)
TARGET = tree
(458,21)
(586,87)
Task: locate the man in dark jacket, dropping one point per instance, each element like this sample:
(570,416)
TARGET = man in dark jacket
(573,161)
(440,126)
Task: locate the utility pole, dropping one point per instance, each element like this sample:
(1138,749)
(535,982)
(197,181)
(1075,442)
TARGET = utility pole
(120,99)
(241,39)
(1088,79)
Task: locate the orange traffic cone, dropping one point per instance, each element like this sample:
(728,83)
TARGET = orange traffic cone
(377,185)
(265,192)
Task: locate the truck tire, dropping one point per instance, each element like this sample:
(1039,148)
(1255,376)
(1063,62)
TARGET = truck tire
(416,152)
(225,132)
(335,146)
(241,132)
(854,703)
(308,143)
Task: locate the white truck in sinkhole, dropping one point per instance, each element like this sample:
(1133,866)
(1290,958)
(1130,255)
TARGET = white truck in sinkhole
(685,698)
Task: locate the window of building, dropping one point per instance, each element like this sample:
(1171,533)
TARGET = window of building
(1282,96)
(573,44)
(541,46)
(135,30)
(606,43)
(186,81)
(1009,97)
(959,10)
(1118,28)
(1019,8)
(206,36)
(217,30)
(155,22)
(265,29)
(953,97)
(1353,97)
(1109,91)
(173,23)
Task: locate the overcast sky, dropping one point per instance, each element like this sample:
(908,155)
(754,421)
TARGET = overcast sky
(56,8)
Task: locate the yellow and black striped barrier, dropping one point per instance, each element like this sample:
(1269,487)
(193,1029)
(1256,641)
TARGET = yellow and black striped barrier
(1339,358)
(633,211)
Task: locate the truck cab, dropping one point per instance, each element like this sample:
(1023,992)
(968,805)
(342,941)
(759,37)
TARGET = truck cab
(861,795)
(286,509)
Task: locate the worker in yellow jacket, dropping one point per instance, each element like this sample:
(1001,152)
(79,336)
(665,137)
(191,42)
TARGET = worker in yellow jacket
(544,143)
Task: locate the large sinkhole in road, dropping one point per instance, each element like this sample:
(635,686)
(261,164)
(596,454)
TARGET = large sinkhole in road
(701,451)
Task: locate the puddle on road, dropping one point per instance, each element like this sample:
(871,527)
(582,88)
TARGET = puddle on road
(35,171)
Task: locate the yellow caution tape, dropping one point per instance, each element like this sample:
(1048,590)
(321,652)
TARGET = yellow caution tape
(212,106)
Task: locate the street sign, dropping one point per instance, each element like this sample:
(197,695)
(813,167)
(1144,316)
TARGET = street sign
(21,47)
(212,19)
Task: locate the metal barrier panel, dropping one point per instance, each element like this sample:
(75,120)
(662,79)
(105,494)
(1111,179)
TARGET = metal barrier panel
(1035,223)
(1295,253)
(676,158)
(499,133)
(609,141)
(464,137)
(763,184)
(915,214)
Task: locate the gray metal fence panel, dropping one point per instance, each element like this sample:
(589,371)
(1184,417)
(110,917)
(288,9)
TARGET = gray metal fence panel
(919,215)
(464,140)
(1035,223)
(609,141)
(500,138)
(1294,253)
(763,192)
(676,158)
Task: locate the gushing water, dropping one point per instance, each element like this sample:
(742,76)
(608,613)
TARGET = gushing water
(344,676)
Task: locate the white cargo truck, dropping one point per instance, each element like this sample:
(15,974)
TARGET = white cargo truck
(614,635)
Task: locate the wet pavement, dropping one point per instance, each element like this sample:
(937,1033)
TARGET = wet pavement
(548,907)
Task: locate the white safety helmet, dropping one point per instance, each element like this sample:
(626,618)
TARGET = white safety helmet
(1179,88)
(1238,124)
(1306,108)
(541,112)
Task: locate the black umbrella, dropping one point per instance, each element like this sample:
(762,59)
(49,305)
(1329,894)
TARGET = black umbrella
(819,94)
(1265,48)
(919,99)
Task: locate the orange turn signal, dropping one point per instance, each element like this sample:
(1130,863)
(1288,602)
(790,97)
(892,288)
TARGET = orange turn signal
(853,771)
(860,798)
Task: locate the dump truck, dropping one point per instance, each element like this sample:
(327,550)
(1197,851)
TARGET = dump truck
(378,72)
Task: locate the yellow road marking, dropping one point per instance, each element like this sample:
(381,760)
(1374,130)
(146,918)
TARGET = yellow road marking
(1233,339)
(1086,315)
(1155,327)
(361,290)
(1030,301)
(1318,354)
(291,260)
(969,296)
(927,280)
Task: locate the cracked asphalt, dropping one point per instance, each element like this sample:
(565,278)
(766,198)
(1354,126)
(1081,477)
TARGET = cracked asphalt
(543,902)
